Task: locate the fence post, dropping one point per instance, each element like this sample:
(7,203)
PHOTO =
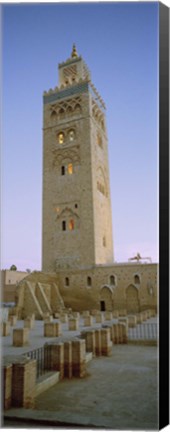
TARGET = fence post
(68,359)
(90,341)
(7,385)
(23,383)
(115,334)
(98,342)
(57,358)
(124,333)
(20,337)
(78,358)
(73,324)
(106,344)
(6,327)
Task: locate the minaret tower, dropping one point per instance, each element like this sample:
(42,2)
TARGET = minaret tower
(77,228)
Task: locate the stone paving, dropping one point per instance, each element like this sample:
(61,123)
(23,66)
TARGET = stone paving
(119,392)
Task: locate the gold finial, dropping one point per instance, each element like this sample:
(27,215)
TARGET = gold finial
(74,52)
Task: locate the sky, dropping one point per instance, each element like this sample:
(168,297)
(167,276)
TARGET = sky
(119,43)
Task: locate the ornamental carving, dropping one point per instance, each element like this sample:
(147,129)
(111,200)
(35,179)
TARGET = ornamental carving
(72,155)
(67,212)
(66,108)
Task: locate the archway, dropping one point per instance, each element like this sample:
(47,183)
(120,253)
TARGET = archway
(132,299)
(106,299)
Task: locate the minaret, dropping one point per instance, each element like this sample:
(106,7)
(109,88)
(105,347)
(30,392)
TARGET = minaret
(77,228)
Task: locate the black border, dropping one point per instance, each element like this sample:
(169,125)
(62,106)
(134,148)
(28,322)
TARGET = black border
(164,215)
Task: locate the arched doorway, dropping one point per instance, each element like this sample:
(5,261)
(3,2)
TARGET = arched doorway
(106,299)
(132,299)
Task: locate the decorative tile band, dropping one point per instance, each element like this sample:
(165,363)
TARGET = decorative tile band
(80,88)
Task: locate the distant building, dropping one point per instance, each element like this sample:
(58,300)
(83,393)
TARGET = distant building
(9,280)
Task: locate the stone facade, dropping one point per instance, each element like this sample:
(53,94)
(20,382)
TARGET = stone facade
(128,288)
(76,188)
(132,287)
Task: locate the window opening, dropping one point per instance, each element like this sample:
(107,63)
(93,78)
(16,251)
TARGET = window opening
(63,170)
(89,281)
(102,306)
(71,224)
(64,225)
(136,279)
(61,138)
(71,135)
(112,280)
(70,168)
(67,282)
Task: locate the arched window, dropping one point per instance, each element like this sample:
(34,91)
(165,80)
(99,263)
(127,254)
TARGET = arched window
(71,224)
(70,168)
(67,282)
(61,138)
(112,280)
(71,135)
(136,279)
(89,281)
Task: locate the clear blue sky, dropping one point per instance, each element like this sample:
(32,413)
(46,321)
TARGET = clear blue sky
(119,43)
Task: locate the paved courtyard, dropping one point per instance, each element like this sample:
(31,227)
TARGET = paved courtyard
(37,339)
(119,392)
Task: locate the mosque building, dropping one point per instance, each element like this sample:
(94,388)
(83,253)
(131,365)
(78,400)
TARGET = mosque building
(78,265)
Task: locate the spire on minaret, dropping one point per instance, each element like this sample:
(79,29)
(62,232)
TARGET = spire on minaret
(74,52)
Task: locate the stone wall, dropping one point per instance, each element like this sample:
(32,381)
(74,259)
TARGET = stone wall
(115,285)
(130,287)
(9,280)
